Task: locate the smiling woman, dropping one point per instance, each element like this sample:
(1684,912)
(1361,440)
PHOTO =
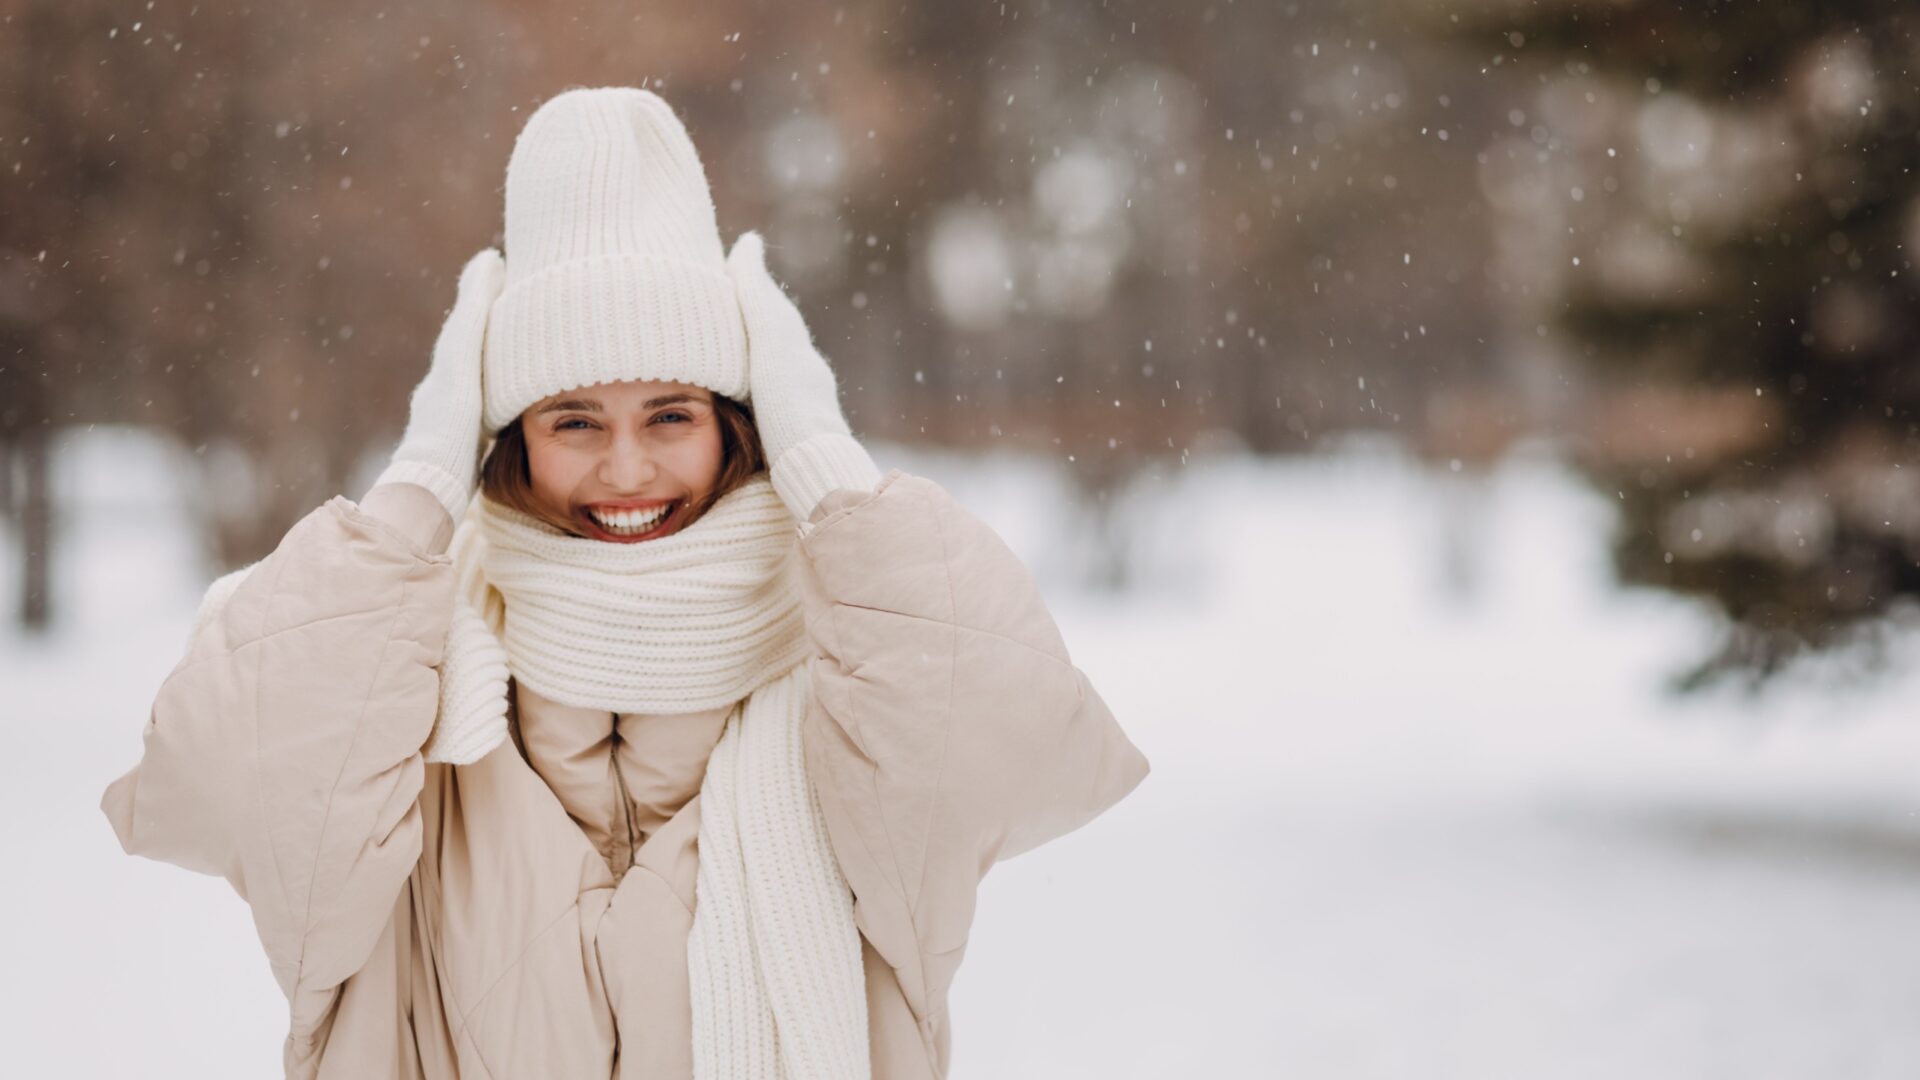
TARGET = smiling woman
(623,462)
(676,755)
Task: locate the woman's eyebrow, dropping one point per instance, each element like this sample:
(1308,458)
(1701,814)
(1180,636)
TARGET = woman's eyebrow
(670,399)
(570,405)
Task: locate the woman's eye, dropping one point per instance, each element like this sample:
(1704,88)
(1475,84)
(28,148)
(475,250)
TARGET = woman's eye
(572,424)
(674,416)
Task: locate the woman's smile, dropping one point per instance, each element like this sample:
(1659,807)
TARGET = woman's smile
(630,521)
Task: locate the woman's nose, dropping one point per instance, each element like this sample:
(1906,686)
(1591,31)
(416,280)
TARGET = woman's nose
(627,467)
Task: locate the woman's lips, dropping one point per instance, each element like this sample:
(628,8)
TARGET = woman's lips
(629,523)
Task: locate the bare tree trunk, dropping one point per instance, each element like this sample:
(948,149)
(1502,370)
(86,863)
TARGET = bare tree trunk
(34,454)
(26,393)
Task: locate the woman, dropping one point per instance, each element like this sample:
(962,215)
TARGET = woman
(688,759)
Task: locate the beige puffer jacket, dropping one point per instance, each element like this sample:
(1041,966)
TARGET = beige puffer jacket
(527,915)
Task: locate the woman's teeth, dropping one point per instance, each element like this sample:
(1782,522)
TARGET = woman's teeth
(629,522)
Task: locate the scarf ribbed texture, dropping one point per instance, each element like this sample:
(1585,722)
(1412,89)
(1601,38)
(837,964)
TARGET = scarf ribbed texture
(691,621)
(696,620)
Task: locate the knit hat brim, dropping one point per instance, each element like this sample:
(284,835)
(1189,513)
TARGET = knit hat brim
(603,319)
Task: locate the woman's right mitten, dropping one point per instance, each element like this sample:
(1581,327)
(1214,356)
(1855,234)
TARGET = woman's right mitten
(441,448)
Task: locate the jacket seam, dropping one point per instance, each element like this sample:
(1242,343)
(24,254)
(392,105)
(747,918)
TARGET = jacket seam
(234,649)
(326,816)
(259,785)
(1062,661)
(352,511)
(414,553)
(479,1059)
(466,1014)
(893,862)
(623,798)
(839,514)
(946,741)
(657,876)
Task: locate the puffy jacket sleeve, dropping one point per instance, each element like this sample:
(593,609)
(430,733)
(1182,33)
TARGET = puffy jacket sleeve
(949,728)
(283,752)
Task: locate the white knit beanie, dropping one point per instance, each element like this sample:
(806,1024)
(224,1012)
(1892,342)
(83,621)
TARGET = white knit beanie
(615,268)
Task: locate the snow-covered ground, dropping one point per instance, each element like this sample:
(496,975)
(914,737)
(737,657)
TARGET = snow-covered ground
(1419,808)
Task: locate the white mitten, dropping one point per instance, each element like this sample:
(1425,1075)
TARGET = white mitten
(441,448)
(796,404)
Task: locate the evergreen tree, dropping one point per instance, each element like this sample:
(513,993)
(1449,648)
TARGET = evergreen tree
(1736,198)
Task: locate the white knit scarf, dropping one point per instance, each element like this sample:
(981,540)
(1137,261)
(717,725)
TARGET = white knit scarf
(699,619)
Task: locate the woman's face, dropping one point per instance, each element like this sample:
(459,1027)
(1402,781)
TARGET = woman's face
(623,462)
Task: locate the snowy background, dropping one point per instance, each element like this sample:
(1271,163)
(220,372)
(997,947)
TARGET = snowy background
(1395,398)
(1421,805)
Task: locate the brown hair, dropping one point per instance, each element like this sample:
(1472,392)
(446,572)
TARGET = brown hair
(506,477)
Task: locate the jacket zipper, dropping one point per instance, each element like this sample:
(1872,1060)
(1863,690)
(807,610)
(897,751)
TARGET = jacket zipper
(626,805)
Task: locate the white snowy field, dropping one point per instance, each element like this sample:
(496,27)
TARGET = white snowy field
(1411,814)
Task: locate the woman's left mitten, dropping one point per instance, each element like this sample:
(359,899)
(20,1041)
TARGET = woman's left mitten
(796,402)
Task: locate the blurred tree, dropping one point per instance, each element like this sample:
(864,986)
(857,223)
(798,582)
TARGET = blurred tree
(55,307)
(1105,232)
(204,267)
(1714,207)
